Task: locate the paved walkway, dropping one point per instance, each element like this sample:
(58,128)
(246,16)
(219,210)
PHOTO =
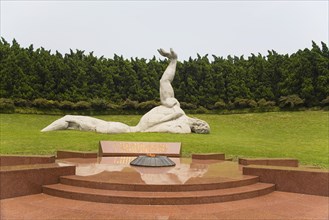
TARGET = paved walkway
(276,205)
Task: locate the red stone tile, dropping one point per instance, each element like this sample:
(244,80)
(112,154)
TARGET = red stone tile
(60,203)
(15,209)
(28,199)
(277,205)
(194,216)
(249,214)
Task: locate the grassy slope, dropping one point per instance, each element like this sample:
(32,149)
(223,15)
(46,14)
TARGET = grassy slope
(302,135)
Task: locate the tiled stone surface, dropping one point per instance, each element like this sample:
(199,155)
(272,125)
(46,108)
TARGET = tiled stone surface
(12,160)
(288,162)
(314,182)
(274,206)
(29,179)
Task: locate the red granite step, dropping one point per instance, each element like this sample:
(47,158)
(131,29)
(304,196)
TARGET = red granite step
(158,198)
(208,184)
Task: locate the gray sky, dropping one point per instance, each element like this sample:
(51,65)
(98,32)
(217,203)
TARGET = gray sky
(138,28)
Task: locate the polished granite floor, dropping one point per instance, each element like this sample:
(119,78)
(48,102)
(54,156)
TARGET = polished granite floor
(186,171)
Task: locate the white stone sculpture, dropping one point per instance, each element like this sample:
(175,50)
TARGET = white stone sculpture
(168,117)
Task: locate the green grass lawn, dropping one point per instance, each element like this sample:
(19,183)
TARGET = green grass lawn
(301,135)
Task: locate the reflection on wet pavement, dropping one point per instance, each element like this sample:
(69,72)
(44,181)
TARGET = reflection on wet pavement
(186,171)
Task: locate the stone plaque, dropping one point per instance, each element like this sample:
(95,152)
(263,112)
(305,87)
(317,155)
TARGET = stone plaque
(126,149)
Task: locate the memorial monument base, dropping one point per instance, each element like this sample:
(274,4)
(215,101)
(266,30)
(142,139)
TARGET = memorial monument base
(204,178)
(109,188)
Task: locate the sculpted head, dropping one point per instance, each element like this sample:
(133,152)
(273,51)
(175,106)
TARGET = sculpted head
(199,126)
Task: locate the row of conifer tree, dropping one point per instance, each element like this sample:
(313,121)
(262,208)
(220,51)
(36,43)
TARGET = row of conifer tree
(30,75)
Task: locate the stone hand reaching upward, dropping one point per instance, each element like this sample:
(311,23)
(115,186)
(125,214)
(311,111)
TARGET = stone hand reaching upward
(170,55)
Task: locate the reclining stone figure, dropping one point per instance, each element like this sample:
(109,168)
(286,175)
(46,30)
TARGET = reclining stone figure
(168,117)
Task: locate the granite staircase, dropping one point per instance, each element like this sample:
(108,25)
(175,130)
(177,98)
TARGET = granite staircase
(214,191)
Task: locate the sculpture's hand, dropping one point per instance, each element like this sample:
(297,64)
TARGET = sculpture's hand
(172,55)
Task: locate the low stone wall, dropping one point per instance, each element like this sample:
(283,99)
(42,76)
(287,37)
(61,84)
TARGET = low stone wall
(75,154)
(297,180)
(29,179)
(13,160)
(210,156)
(287,162)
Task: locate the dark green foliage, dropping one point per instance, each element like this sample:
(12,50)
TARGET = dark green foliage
(129,105)
(22,102)
(201,110)
(190,106)
(290,101)
(263,104)
(220,105)
(82,105)
(325,102)
(98,104)
(66,105)
(112,106)
(79,81)
(230,105)
(45,104)
(244,103)
(6,106)
(148,105)
(252,103)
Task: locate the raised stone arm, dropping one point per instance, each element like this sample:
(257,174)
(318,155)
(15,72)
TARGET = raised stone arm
(167,96)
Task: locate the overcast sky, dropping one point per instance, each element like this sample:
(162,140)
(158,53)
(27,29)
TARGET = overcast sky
(138,28)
